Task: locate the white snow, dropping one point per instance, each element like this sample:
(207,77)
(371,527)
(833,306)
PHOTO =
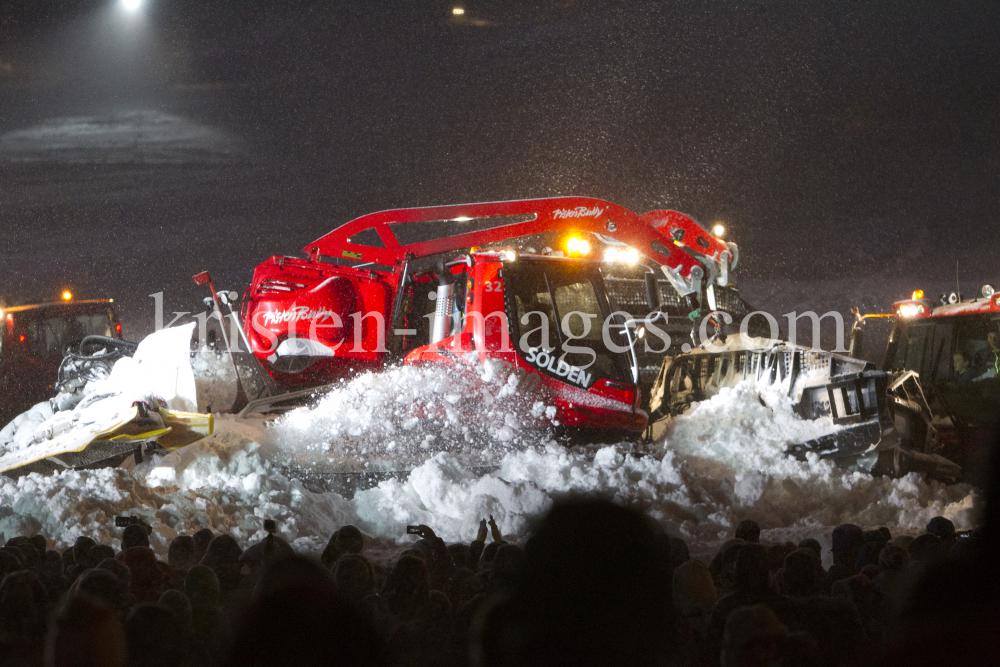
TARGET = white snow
(718,464)
(215,379)
(397,418)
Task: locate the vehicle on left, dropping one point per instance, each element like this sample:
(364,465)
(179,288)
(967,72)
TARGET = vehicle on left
(74,394)
(34,339)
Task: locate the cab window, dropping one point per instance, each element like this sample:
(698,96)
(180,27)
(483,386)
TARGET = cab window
(540,296)
(50,336)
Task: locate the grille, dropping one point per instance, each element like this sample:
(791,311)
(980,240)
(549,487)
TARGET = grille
(273,286)
(631,297)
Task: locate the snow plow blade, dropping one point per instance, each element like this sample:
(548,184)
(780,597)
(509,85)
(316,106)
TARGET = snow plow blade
(820,384)
(137,432)
(110,406)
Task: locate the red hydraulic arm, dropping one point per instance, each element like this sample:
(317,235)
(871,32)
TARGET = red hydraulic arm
(682,248)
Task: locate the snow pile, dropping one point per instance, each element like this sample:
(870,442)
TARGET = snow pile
(20,431)
(731,450)
(698,497)
(718,464)
(397,418)
(221,483)
(215,378)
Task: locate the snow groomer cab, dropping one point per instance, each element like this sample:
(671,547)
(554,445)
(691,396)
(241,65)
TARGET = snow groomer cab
(33,342)
(944,392)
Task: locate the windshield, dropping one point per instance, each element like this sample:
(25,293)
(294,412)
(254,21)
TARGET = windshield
(561,322)
(959,358)
(49,336)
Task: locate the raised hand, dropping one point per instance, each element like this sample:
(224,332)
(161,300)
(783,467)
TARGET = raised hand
(495,530)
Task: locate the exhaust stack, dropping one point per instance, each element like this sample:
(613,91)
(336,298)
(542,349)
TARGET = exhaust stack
(445,302)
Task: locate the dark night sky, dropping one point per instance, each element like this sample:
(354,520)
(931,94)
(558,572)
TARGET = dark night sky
(834,139)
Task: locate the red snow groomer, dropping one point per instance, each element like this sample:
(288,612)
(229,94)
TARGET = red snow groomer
(465,284)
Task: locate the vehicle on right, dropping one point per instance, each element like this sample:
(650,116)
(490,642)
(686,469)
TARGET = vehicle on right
(943,359)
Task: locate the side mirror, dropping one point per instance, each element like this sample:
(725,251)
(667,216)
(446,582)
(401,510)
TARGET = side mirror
(652,292)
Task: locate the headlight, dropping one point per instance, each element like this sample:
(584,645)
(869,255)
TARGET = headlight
(577,246)
(911,310)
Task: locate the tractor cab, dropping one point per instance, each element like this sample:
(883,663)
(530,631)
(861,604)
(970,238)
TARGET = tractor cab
(33,341)
(548,319)
(944,360)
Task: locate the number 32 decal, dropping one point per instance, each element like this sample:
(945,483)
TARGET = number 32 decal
(495,286)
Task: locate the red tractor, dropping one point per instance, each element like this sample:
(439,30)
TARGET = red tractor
(463,285)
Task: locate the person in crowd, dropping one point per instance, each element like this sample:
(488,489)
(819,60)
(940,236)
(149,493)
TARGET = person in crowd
(926,548)
(355,579)
(801,575)
(117,568)
(811,543)
(9,562)
(406,589)
(694,592)
(296,617)
(847,541)
(102,586)
(154,637)
(84,633)
(748,531)
(902,541)
(594,588)
(223,558)
(434,551)
(147,579)
(754,636)
(178,604)
(860,592)
(869,553)
(776,554)
(679,552)
(944,529)
(694,596)
(202,539)
(753,586)
(135,535)
(81,555)
(723,563)
(346,540)
(893,563)
(182,554)
(272,548)
(22,617)
(52,572)
(201,587)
